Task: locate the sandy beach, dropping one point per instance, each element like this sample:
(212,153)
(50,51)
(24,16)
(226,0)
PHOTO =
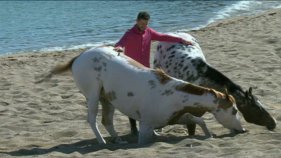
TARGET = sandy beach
(49,119)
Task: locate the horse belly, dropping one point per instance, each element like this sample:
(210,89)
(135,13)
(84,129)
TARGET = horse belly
(128,107)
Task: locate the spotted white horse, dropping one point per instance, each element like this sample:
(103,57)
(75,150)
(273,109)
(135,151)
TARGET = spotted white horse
(147,95)
(189,64)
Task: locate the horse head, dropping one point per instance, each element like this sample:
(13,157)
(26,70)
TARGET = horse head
(227,114)
(254,112)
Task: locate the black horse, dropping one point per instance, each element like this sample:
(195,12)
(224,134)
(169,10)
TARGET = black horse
(188,63)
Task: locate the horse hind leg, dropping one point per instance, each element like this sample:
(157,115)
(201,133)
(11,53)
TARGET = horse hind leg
(92,102)
(191,127)
(134,129)
(107,120)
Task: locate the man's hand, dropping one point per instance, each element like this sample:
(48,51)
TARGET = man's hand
(118,49)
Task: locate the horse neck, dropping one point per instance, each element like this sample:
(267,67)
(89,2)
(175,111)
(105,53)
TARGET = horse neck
(199,100)
(216,80)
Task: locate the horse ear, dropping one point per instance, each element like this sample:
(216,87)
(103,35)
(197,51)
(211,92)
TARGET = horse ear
(226,93)
(247,94)
(250,90)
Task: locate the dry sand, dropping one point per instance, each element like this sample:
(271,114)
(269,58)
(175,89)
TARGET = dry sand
(49,119)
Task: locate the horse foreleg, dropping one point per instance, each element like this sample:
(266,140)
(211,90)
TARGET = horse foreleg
(134,129)
(145,133)
(191,127)
(188,118)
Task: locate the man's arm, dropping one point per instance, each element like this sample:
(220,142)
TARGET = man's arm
(167,38)
(121,43)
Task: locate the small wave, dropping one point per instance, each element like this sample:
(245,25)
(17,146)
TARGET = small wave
(232,9)
(243,8)
(73,47)
(278,6)
(237,9)
(224,13)
(193,28)
(61,48)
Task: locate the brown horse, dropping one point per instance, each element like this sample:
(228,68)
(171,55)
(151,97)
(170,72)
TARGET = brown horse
(147,95)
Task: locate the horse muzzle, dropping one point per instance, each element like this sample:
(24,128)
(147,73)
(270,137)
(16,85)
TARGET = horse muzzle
(235,131)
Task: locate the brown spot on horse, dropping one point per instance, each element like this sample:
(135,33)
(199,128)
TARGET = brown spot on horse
(130,94)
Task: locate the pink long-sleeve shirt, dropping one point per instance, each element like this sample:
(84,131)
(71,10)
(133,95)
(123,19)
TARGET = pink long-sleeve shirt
(137,44)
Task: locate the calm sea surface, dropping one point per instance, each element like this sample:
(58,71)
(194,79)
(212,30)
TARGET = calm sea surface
(44,26)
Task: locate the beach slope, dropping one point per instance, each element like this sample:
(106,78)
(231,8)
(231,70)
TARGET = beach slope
(49,119)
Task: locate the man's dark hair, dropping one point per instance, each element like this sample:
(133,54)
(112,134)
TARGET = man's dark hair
(143,15)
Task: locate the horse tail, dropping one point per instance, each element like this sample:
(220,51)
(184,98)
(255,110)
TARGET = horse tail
(62,68)
(58,70)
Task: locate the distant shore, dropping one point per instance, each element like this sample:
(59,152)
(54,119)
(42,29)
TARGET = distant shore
(50,119)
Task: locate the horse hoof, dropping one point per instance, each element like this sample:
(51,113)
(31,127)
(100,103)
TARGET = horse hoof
(238,131)
(155,133)
(134,132)
(209,136)
(118,140)
(102,143)
(122,142)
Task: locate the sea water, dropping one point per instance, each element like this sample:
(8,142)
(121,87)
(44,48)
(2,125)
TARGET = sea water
(43,26)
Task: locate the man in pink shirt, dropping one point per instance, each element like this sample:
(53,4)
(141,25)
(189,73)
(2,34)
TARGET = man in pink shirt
(137,41)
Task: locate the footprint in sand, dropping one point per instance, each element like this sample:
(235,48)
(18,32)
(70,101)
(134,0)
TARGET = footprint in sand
(5,85)
(191,145)
(278,52)
(272,40)
(3,103)
(64,134)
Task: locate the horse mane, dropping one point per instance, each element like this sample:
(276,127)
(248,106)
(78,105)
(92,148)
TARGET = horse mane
(217,94)
(161,76)
(223,96)
(198,90)
(134,62)
(192,89)
(219,78)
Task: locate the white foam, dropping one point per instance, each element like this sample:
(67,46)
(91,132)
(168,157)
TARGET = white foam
(279,6)
(229,10)
(61,48)
(73,47)
(226,12)
(194,28)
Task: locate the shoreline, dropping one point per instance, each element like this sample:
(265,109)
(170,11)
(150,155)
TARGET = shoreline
(50,119)
(198,28)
